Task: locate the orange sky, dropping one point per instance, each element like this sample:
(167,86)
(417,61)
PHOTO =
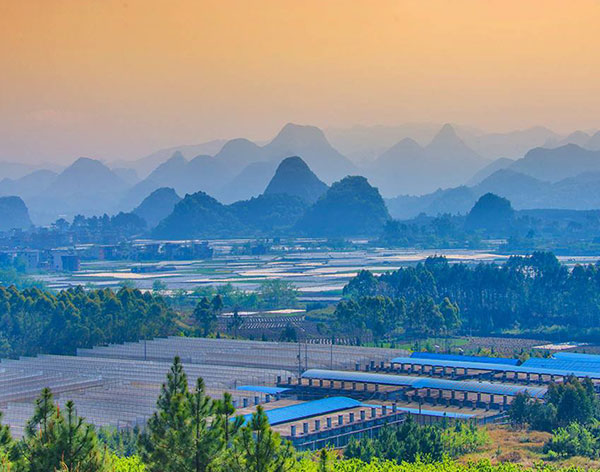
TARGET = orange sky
(118,78)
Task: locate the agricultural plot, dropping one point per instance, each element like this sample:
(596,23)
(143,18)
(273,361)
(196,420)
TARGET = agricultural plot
(319,275)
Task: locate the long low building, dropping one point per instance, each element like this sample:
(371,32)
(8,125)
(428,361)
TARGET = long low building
(463,358)
(406,381)
(401,363)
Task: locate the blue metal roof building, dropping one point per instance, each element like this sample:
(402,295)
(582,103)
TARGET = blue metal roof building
(456,357)
(522,369)
(300,411)
(577,355)
(365,377)
(564,363)
(425,382)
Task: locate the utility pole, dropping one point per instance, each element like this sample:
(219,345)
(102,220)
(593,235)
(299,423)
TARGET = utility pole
(299,360)
(305,355)
(331,356)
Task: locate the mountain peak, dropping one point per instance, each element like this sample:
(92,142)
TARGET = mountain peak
(447,146)
(310,143)
(294,177)
(446,134)
(294,135)
(13,213)
(158,205)
(86,163)
(238,153)
(406,144)
(350,207)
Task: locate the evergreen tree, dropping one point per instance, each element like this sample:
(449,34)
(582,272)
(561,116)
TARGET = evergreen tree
(224,411)
(57,441)
(168,439)
(180,437)
(207,440)
(206,313)
(5,437)
(77,442)
(260,449)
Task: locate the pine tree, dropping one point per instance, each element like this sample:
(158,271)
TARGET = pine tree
(5,437)
(77,442)
(206,312)
(168,440)
(180,436)
(224,411)
(260,449)
(57,441)
(207,441)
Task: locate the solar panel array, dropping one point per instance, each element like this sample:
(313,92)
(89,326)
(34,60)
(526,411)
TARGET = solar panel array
(118,385)
(247,353)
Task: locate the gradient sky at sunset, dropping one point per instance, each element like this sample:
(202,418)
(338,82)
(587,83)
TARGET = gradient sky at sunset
(120,78)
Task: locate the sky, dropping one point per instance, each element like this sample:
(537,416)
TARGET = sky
(117,79)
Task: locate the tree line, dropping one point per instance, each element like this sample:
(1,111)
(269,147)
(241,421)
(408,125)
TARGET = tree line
(570,410)
(527,293)
(36,321)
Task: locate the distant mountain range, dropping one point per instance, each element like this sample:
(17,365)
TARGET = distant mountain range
(147,164)
(411,168)
(564,178)
(447,158)
(351,207)
(583,139)
(241,169)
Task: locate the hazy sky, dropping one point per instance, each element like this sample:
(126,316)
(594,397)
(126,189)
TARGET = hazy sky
(120,78)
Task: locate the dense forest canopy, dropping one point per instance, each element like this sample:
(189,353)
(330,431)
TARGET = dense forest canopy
(36,321)
(526,292)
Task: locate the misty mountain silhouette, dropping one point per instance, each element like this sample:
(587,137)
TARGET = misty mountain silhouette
(349,207)
(558,163)
(310,143)
(408,167)
(13,214)
(157,206)
(294,177)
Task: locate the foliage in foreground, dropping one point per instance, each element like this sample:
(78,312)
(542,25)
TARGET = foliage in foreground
(410,442)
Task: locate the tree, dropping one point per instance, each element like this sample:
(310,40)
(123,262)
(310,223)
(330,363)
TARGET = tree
(168,439)
(259,449)
(236,322)
(179,437)
(55,439)
(206,313)
(277,293)
(450,314)
(575,401)
(159,286)
(224,411)
(5,437)
(519,409)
